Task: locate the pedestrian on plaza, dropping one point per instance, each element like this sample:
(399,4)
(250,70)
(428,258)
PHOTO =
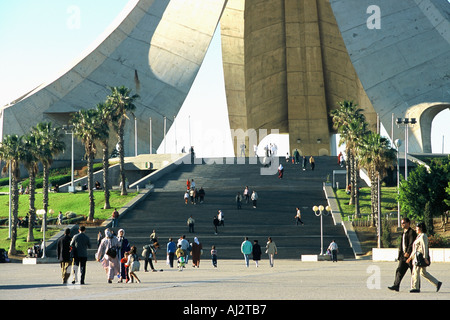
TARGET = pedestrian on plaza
(254,198)
(221,218)
(190,223)
(246,249)
(184,246)
(60,218)
(201,194)
(133,264)
(246,194)
(81,243)
(271,250)
(256,252)
(63,254)
(298,216)
(148,253)
(99,238)
(404,252)
(304,160)
(238,200)
(188,184)
(312,163)
(107,254)
(420,258)
(186,197)
(216,224)
(171,248)
(214,256)
(333,248)
(124,247)
(180,258)
(280,171)
(197,249)
(115,218)
(124,260)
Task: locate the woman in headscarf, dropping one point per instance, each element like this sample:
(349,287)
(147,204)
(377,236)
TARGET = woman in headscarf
(124,247)
(107,254)
(196,252)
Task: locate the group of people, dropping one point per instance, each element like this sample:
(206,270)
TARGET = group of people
(193,194)
(304,161)
(413,254)
(72,254)
(182,250)
(253,196)
(247,249)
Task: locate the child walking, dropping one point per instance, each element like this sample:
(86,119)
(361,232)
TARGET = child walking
(124,260)
(133,264)
(214,256)
(180,257)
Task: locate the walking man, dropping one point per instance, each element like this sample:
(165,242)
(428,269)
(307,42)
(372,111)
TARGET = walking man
(246,249)
(63,253)
(190,223)
(81,243)
(298,216)
(404,252)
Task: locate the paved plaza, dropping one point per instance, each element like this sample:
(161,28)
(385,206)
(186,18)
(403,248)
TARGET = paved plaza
(231,280)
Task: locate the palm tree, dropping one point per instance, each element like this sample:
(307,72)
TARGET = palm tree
(49,144)
(31,162)
(122,103)
(88,128)
(376,155)
(104,112)
(350,123)
(11,151)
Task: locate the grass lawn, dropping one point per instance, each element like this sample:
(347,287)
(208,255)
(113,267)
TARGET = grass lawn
(388,201)
(75,202)
(21,242)
(367,235)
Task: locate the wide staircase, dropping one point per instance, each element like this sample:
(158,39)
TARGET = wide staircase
(165,211)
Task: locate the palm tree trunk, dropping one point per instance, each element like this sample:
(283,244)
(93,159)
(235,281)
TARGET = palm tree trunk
(15,209)
(106,175)
(45,194)
(356,182)
(90,172)
(123,190)
(32,208)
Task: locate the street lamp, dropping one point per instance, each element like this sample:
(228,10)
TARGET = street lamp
(406,122)
(320,209)
(69,130)
(398,143)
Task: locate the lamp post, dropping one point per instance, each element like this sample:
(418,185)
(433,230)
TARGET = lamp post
(398,143)
(320,209)
(406,122)
(69,130)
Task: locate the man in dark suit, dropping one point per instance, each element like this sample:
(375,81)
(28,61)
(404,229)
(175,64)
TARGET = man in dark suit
(63,254)
(81,243)
(404,251)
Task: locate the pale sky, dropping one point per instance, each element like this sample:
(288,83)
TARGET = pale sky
(38,39)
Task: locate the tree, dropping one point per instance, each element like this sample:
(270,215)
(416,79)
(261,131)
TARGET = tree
(11,151)
(88,127)
(49,144)
(425,184)
(31,161)
(351,124)
(376,156)
(104,112)
(122,103)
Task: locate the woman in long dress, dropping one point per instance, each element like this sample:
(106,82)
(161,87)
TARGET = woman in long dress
(196,252)
(109,261)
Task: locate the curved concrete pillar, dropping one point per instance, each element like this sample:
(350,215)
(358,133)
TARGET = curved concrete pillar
(401,52)
(421,134)
(155,48)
